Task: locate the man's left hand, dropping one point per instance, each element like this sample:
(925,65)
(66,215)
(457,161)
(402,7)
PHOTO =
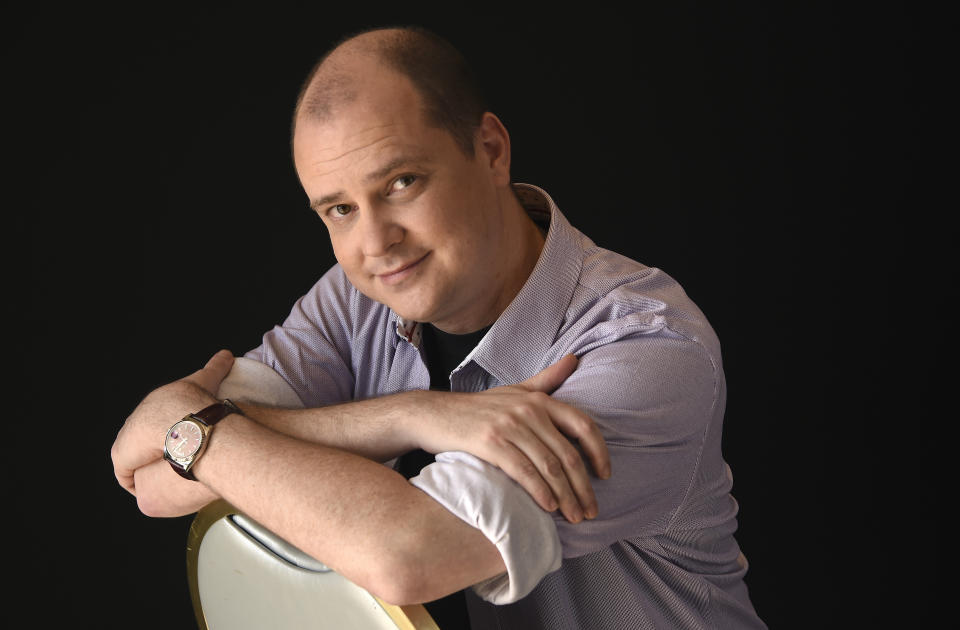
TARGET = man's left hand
(140,440)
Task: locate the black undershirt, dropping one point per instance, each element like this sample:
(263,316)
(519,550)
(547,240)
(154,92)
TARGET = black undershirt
(443,352)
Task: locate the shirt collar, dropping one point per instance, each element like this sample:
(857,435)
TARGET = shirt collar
(538,310)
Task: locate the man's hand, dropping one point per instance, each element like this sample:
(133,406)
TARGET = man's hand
(140,440)
(523,431)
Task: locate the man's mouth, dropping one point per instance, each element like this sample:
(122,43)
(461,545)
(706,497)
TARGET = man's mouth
(398,274)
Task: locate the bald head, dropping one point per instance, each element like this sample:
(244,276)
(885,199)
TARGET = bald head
(451,98)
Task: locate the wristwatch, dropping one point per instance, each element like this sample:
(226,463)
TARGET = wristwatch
(187,439)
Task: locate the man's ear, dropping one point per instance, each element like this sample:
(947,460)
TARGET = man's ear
(493,147)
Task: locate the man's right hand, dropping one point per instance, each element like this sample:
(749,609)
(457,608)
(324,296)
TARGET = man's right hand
(524,432)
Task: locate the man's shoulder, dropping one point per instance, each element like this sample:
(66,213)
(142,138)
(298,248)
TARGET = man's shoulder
(620,284)
(333,282)
(620,296)
(335,287)
(333,297)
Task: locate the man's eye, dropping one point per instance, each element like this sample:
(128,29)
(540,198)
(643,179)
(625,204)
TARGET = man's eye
(404,181)
(341,209)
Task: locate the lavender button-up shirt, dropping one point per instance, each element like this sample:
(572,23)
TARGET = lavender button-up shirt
(661,552)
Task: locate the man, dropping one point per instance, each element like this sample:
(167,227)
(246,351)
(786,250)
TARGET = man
(451,277)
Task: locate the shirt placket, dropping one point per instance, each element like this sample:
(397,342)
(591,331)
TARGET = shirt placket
(409,359)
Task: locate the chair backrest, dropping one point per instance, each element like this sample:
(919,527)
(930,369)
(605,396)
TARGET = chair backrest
(243,577)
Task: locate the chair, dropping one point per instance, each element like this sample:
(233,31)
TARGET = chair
(242,576)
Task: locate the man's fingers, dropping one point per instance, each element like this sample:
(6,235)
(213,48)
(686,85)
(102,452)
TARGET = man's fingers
(521,469)
(551,377)
(559,468)
(126,480)
(573,470)
(219,365)
(570,420)
(518,467)
(582,428)
(216,369)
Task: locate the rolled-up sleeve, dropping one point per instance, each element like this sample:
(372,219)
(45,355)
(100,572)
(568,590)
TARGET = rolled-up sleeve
(484,497)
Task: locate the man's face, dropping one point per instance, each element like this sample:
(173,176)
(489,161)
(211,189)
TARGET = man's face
(414,223)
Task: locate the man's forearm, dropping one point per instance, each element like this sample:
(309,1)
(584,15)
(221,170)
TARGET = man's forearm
(515,428)
(369,428)
(376,428)
(359,517)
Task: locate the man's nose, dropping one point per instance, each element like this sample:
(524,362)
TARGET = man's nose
(380,232)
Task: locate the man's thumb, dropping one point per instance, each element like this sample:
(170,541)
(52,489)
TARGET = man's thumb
(214,371)
(553,376)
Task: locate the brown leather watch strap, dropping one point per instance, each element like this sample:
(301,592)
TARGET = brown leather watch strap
(216,412)
(208,416)
(186,474)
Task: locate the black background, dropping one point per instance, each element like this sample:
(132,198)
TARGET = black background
(766,158)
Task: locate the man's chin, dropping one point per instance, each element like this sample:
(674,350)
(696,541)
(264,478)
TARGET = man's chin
(412,315)
(411,310)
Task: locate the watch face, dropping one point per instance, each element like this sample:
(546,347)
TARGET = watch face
(184,439)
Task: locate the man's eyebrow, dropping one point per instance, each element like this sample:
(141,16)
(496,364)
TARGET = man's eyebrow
(373,176)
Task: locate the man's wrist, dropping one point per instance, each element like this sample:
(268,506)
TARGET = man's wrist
(412,426)
(225,431)
(187,440)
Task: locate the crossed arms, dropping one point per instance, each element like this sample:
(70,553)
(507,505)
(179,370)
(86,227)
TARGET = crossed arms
(313,477)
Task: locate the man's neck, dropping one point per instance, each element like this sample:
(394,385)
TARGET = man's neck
(521,244)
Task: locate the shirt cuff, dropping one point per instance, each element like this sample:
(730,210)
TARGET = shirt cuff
(484,497)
